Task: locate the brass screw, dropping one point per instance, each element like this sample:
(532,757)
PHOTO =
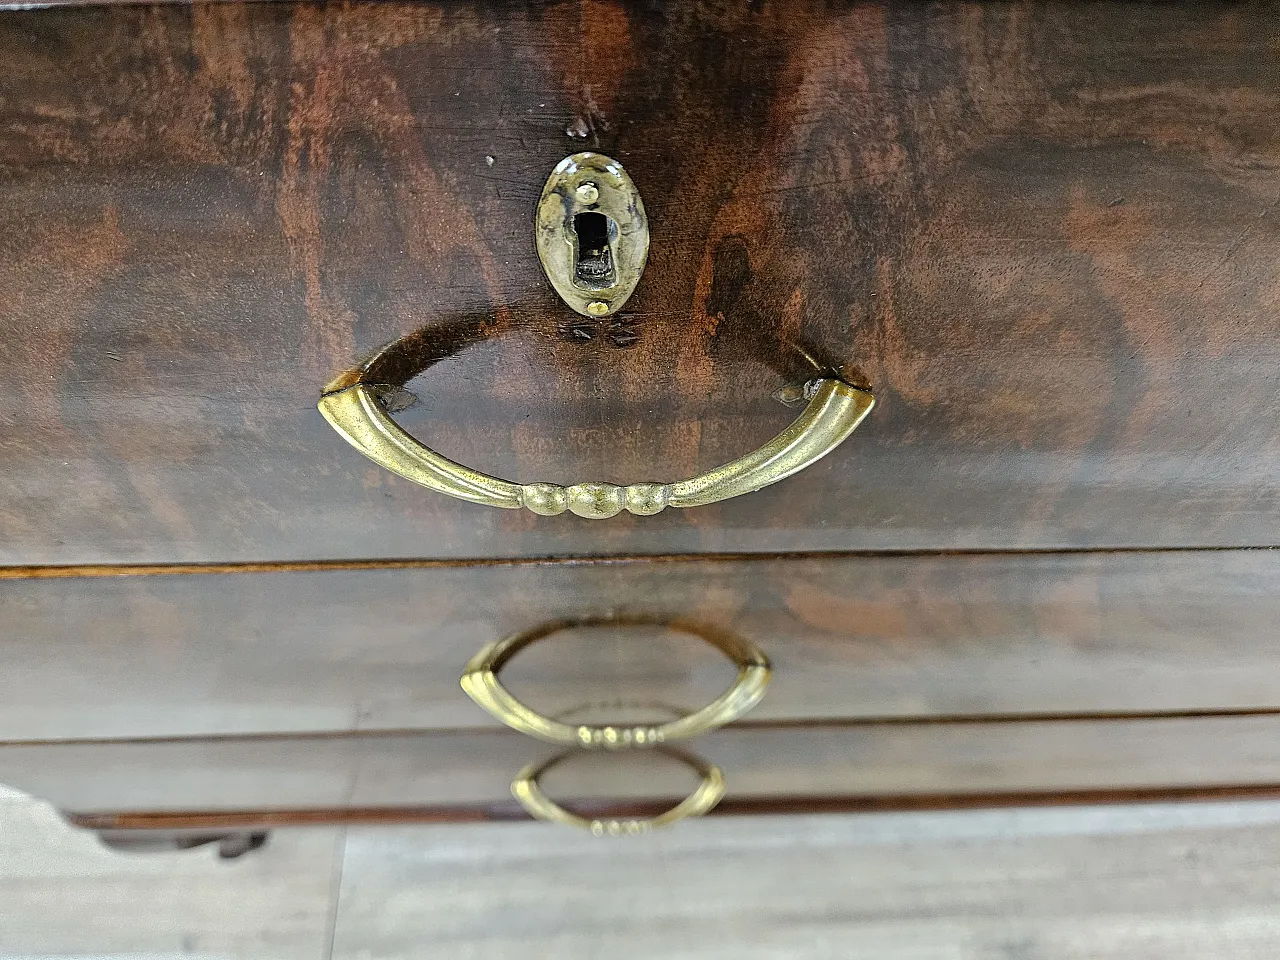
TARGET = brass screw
(597,308)
(588,192)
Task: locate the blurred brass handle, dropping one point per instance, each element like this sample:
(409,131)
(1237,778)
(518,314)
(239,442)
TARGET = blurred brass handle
(703,800)
(480,681)
(833,412)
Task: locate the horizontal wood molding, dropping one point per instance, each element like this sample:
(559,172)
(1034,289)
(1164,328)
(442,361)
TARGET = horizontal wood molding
(850,636)
(64,572)
(886,803)
(445,772)
(324,736)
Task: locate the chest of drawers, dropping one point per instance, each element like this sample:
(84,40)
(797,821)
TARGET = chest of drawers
(1042,235)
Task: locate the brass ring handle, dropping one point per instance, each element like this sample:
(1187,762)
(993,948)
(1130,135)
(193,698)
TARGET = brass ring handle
(537,804)
(480,681)
(834,410)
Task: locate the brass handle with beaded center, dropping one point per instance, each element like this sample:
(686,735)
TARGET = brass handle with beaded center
(481,683)
(536,803)
(833,411)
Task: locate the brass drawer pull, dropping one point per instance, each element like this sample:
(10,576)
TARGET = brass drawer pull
(703,800)
(834,410)
(480,681)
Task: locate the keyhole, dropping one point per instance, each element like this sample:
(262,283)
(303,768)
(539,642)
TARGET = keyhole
(594,266)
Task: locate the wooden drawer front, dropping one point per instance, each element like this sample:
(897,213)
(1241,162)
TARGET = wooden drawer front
(471,772)
(848,637)
(1040,232)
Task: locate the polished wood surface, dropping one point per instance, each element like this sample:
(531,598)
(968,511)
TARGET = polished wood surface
(1043,233)
(867,636)
(464,773)
(195,823)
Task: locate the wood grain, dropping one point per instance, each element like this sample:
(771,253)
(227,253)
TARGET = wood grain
(188,823)
(1043,232)
(470,772)
(869,637)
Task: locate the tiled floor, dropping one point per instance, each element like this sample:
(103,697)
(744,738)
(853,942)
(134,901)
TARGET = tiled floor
(1140,883)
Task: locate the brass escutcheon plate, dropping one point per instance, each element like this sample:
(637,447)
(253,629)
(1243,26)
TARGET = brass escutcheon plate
(591,233)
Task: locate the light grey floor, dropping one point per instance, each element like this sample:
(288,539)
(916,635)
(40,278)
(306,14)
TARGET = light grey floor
(1139,883)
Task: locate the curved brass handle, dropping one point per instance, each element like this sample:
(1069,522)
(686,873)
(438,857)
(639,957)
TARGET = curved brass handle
(703,800)
(834,410)
(480,681)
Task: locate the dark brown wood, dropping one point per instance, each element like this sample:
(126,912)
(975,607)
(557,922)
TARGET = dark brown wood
(471,771)
(178,822)
(73,571)
(853,637)
(1044,233)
